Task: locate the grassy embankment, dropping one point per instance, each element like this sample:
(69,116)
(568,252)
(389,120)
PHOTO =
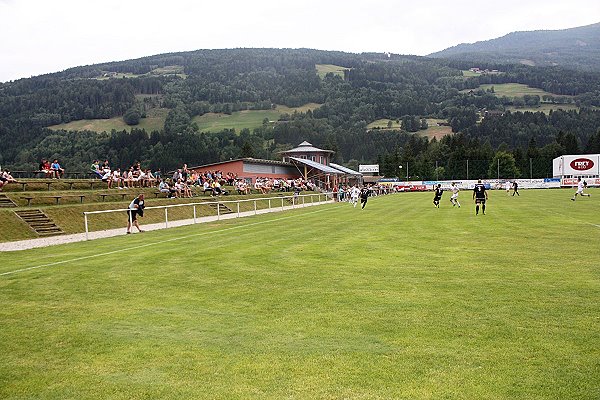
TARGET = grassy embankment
(68,215)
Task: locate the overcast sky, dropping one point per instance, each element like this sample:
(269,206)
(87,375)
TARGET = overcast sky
(42,36)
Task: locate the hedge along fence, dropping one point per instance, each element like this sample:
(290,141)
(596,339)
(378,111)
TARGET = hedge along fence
(188,213)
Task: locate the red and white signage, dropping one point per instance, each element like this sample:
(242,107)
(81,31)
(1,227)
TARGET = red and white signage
(582,164)
(573,181)
(576,165)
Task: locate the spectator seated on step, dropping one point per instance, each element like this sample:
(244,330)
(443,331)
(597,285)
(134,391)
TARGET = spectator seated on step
(6,178)
(59,171)
(185,189)
(150,178)
(163,187)
(95,168)
(117,178)
(46,168)
(216,188)
(242,186)
(206,187)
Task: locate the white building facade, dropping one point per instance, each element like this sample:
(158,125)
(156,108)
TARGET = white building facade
(570,167)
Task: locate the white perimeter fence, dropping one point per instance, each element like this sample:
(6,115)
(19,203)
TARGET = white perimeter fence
(232,208)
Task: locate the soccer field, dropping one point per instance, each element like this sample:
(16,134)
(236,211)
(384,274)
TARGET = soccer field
(399,300)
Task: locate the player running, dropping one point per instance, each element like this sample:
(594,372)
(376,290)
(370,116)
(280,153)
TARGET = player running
(580,186)
(438,195)
(354,194)
(364,196)
(480,196)
(454,197)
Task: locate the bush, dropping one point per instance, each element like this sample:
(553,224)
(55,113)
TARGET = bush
(132,116)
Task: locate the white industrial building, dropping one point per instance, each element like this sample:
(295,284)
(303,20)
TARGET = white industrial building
(570,167)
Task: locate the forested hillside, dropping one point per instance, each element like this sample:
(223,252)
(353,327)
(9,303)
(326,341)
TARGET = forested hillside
(575,48)
(403,89)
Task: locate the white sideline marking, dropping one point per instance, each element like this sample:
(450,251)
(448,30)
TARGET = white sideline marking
(574,219)
(161,242)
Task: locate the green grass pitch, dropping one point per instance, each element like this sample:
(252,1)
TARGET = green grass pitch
(399,300)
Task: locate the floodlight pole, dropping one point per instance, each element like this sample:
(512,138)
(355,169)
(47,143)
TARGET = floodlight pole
(530,169)
(498,169)
(467,169)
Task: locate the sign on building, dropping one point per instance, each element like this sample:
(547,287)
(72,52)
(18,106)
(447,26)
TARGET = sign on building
(368,168)
(576,165)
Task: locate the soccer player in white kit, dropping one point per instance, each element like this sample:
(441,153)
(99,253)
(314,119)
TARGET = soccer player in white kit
(507,186)
(454,197)
(354,194)
(580,186)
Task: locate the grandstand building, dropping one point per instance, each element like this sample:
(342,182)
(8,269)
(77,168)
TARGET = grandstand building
(305,161)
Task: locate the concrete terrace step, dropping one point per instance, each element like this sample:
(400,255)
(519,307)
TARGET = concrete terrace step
(39,222)
(223,209)
(5,202)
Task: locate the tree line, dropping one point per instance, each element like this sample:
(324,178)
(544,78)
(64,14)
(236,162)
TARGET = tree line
(376,86)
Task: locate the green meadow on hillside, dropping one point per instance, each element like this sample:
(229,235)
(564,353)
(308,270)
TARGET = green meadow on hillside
(212,122)
(433,130)
(515,90)
(154,121)
(324,69)
(399,300)
(208,122)
(545,108)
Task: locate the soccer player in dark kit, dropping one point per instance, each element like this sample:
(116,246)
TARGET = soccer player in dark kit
(516,188)
(364,196)
(480,196)
(438,195)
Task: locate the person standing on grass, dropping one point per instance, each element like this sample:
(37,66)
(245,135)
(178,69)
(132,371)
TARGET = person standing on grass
(454,197)
(581,185)
(136,207)
(516,188)
(507,186)
(438,195)
(480,196)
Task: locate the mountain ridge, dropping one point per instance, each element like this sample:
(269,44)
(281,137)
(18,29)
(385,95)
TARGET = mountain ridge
(576,48)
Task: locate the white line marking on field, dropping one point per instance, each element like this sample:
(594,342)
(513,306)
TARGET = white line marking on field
(161,242)
(574,218)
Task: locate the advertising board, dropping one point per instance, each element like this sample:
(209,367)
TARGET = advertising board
(368,168)
(576,165)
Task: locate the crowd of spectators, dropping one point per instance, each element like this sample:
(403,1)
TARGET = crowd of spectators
(268,185)
(182,183)
(51,169)
(134,176)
